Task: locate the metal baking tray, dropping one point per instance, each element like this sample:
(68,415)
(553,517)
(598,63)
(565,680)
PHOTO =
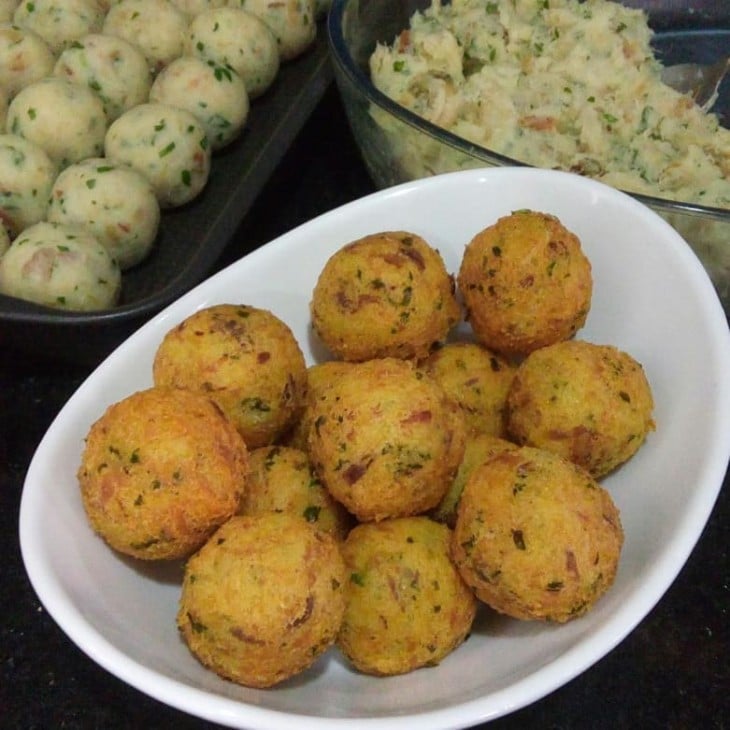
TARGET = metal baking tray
(191,238)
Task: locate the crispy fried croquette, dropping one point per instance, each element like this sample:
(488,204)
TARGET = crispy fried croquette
(385,295)
(590,403)
(320,377)
(160,471)
(536,537)
(407,606)
(281,479)
(479,448)
(526,283)
(246,359)
(263,598)
(475,378)
(386,441)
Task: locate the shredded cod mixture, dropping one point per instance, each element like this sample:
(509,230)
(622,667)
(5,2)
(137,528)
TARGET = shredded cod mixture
(558,83)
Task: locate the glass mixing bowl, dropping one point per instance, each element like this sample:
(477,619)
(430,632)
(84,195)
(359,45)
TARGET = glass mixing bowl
(398,145)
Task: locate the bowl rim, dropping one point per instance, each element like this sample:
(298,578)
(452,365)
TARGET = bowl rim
(346,64)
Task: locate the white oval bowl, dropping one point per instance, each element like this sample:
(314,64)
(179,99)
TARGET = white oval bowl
(651,298)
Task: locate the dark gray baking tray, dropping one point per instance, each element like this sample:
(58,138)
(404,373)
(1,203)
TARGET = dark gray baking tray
(191,238)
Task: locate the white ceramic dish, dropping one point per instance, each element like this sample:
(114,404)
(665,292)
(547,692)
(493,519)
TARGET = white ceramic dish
(651,297)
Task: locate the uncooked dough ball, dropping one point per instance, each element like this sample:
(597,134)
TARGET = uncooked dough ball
(235,38)
(167,145)
(4,101)
(26,176)
(60,22)
(60,266)
(215,95)
(117,204)
(24,58)
(194,7)
(112,67)
(7,9)
(156,27)
(293,23)
(4,240)
(67,120)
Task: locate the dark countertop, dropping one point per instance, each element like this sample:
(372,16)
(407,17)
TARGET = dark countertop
(672,671)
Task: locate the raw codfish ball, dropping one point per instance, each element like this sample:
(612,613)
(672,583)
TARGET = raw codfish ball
(233,37)
(67,120)
(165,144)
(156,27)
(60,266)
(26,177)
(194,7)
(24,58)
(215,95)
(293,23)
(7,8)
(60,22)
(113,68)
(4,240)
(117,204)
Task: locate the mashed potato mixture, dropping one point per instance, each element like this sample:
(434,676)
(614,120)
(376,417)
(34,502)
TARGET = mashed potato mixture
(565,84)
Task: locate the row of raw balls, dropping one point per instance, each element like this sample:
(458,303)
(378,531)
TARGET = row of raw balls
(221,58)
(236,58)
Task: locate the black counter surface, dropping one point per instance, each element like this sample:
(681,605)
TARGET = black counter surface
(672,671)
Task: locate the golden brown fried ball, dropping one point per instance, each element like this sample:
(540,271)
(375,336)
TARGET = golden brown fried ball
(479,448)
(590,403)
(160,471)
(536,537)
(320,377)
(281,479)
(385,295)
(386,441)
(246,359)
(407,607)
(477,379)
(263,598)
(526,283)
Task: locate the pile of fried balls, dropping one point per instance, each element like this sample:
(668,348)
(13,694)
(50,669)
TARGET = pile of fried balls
(446,459)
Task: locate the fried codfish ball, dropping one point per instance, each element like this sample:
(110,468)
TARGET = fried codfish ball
(477,379)
(384,295)
(386,441)
(526,283)
(161,470)
(479,448)
(246,359)
(263,598)
(407,606)
(281,479)
(320,377)
(536,537)
(590,403)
